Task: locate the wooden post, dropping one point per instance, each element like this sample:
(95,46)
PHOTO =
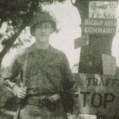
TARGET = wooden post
(99,23)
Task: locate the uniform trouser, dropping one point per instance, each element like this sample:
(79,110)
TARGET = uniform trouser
(36,112)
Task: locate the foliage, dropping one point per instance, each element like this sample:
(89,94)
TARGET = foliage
(18,11)
(17,14)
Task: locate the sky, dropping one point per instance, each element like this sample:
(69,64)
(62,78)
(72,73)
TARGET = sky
(115,44)
(68,22)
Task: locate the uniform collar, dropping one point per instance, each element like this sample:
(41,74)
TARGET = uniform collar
(33,48)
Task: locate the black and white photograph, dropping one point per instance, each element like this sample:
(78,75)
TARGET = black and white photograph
(59,59)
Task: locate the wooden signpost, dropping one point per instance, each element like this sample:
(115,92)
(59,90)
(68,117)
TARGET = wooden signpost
(98,22)
(97,75)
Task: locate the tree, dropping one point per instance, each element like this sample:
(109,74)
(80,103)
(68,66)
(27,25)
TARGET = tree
(17,14)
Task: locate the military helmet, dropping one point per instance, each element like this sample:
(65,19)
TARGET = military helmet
(42,16)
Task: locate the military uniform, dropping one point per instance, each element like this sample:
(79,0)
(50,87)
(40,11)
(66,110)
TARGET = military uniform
(40,65)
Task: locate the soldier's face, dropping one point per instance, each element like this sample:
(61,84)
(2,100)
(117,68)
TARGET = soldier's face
(43,31)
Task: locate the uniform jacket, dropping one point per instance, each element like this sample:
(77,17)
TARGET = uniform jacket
(55,65)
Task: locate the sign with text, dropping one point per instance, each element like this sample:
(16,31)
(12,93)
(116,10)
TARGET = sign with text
(100,26)
(101,18)
(102,9)
(99,95)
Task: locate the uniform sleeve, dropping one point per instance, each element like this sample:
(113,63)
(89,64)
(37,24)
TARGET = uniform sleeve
(14,70)
(69,83)
(11,74)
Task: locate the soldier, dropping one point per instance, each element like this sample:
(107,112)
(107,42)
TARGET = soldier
(46,73)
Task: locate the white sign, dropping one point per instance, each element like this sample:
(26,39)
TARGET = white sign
(87,116)
(100,26)
(102,9)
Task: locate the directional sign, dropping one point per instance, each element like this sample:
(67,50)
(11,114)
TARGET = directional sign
(98,95)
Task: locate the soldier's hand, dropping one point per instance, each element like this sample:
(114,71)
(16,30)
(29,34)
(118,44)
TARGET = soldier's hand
(20,92)
(54,98)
